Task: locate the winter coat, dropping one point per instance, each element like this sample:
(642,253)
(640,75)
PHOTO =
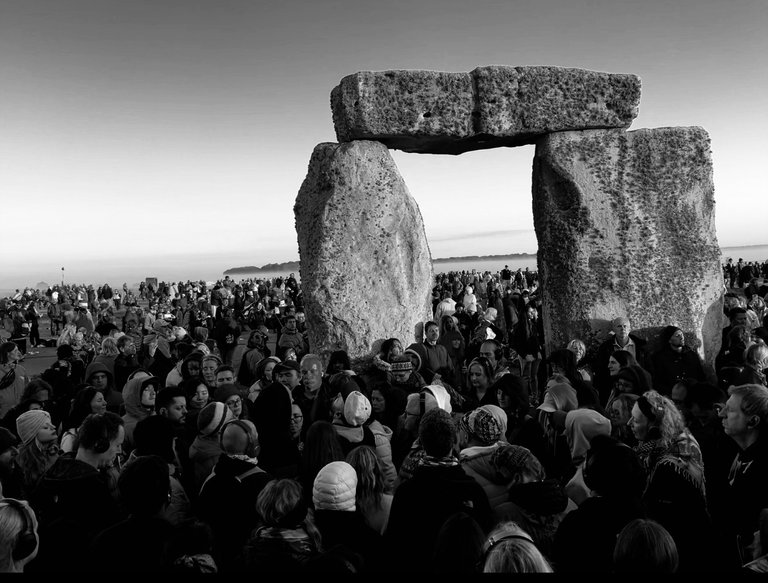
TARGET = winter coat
(134,411)
(203,454)
(377,436)
(113,397)
(278,550)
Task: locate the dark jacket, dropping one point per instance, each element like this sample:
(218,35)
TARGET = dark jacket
(668,367)
(349,529)
(420,507)
(135,545)
(602,378)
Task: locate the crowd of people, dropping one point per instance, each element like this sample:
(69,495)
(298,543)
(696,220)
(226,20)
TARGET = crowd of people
(189,428)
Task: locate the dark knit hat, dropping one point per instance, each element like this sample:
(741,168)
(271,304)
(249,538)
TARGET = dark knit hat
(667,333)
(224,392)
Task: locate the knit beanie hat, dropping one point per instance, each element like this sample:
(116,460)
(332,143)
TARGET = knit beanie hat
(225,392)
(482,425)
(667,332)
(357,409)
(29,423)
(401,363)
(212,418)
(335,487)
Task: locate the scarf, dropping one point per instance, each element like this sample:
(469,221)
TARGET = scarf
(438,462)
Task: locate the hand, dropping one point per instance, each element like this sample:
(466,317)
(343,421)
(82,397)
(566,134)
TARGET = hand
(529,358)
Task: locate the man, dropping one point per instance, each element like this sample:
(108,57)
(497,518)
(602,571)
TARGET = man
(290,337)
(227,499)
(622,339)
(674,361)
(171,403)
(434,357)
(745,420)
(438,489)
(506,277)
(445,307)
(225,375)
(313,395)
(466,324)
(73,498)
(493,351)
(288,373)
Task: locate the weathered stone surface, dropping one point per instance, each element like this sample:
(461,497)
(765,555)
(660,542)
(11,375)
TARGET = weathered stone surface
(365,265)
(625,225)
(451,113)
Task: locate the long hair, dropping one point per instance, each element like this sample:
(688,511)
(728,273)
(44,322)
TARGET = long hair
(80,408)
(109,347)
(321,446)
(668,418)
(5,349)
(34,461)
(370,478)
(509,549)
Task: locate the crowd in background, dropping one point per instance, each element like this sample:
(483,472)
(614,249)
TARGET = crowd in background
(187,427)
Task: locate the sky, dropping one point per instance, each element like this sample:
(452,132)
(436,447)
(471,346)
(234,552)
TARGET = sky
(169,138)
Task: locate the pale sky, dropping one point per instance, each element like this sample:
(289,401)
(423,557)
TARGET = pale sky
(169,138)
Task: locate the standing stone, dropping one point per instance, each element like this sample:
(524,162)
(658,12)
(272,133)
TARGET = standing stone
(626,226)
(365,265)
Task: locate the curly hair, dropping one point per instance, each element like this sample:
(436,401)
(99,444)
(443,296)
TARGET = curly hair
(663,414)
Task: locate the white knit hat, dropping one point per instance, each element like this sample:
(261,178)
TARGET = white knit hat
(357,409)
(29,423)
(335,487)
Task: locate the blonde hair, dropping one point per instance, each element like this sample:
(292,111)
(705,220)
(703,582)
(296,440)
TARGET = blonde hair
(509,549)
(12,525)
(109,346)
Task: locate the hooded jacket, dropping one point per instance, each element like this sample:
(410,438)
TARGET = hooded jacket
(134,410)
(114,398)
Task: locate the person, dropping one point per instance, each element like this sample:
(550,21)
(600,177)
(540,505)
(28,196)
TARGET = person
(139,397)
(451,338)
(388,405)
(264,374)
(730,362)
(100,377)
(37,395)
(290,337)
(459,546)
(632,379)
(759,562)
(563,361)
(585,539)
(208,368)
(313,395)
(619,411)
(581,426)
(479,379)
(674,361)
(321,447)
(11,478)
(370,498)
(755,365)
(529,344)
(338,361)
(126,361)
(75,500)
(404,376)
(39,448)
(434,356)
(137,544)
(274,418)
(620,339)
(19,539)
(335,514)
(675,494)
(257,351)
(509,549)
(286,537)
(438,489)
(87,401)
(13,377)
(579,350)
(228,496)
(206,448)
(645,546)
(745,418)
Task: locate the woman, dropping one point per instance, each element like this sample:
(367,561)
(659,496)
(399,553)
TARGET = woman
(208,368)
(509,549)
(37,395)
(108,353)
(451,338)
(192,365)
(39,448)
(619,412)
(371,500)
(469,300)
(257,351)
(563,362)
(390,349)
(579,349)
(13,377)
(674,493)
(479,375)
(263,376)
(619,360)
(630,379)
(321,446)
(139,397)
(295,427)
(86,401)
(287,536)
(198,396)
(387,405)
(337,362)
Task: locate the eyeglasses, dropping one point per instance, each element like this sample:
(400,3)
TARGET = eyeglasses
(297,417)
(234,402)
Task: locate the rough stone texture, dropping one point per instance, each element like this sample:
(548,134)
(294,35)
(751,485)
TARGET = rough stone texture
(625,225)
(451,113)
(365,265)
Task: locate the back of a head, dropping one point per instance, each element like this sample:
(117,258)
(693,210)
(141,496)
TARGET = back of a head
(509,549)
(645,546)
(239,437)
(613,469)
(437,433)
(459,545)
(154,435)
(281,504)
(144,485)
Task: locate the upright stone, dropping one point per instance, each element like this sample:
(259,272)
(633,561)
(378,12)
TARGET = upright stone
(625,225)
(365,265)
